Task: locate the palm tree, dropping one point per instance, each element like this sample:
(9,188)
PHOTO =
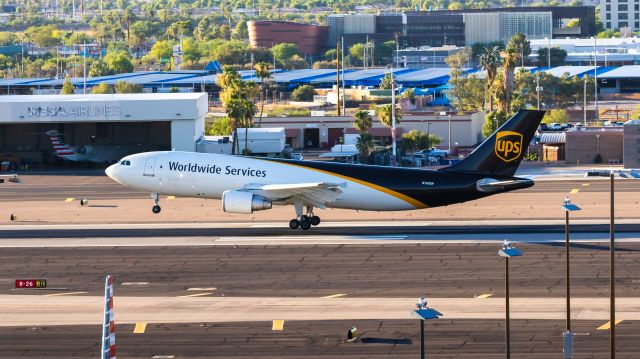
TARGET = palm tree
(262,72)
(490,61)
(385,113)
(364,145)
(362,121)
(511,58)
(236,96)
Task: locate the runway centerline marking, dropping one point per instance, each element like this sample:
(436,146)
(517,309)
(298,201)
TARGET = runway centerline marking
(333,296)
(607,325)
(574,191)
(171,197)
(202,289)
(163,357)
(278,324)
(69,199)
(60,294)
(195,295)
(586,184)
(483,296)
(140,328)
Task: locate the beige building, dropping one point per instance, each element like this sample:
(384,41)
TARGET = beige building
(326,131)
(582,146)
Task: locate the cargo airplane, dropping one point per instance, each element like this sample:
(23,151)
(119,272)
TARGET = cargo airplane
(248,184)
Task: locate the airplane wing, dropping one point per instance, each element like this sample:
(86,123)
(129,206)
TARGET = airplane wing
(316,194)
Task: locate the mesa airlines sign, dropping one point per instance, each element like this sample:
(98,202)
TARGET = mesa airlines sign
(74,111)
(508,145)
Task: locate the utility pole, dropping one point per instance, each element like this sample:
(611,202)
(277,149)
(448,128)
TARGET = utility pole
(338,77)
(393,118)
(538,88)
(84,67)
(548,52)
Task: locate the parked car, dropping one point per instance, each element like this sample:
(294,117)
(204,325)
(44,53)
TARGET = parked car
(297,156)
(555,126)
(435,153)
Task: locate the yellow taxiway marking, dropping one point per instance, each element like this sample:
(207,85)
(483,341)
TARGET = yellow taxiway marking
(140,328)
(607,325)
(574,191)
(202,289)
(278,324)
(333,296)
(483,296)
(171,197)
(69,199)
(195,295)
(586,184)
(59,294)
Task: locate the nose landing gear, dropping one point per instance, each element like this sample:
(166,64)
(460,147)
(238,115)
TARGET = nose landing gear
(156,200)
(304,221)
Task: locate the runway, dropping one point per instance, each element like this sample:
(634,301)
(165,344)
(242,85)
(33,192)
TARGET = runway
(208,284)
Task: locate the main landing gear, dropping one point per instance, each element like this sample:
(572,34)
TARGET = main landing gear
(156,200)
(304,221)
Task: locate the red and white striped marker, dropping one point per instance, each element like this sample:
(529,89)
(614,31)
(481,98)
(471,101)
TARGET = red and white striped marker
(108,325)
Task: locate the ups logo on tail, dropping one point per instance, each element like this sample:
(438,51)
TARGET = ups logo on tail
(508,145)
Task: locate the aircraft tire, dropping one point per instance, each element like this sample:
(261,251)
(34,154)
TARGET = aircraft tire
(156,209)
(294,224)
(305,225)
(315,220)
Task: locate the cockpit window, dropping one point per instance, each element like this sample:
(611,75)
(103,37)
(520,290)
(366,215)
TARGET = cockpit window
(125,163)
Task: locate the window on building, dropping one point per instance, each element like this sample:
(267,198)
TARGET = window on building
(637,24)
(623,16)
(623,24)
(622,7)
(608,16)
(608,25)
(636,7)
(608,7)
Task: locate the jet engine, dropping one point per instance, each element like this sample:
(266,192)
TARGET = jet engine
(85,150)
(243,202)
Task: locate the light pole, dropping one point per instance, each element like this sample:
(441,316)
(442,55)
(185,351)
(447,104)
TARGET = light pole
(612,274)
(538,89)
(595,75)
(584,105)
(507,251)
(568,335)
(449,140)
(548,51)
(424,313)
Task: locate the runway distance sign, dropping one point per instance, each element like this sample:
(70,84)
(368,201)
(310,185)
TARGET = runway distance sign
(31,283)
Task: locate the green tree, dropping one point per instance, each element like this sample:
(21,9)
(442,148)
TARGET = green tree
(284,52)
(519,44)
(356,52)
(303,93)
(118,62)
(364,145)
(236,96)
(263,72)
(508,67)
(126,87)
(67,87)
(558,56)
(493,121)
(362,121)
(490,61)
(385,116)
(417,140)
(241,31)
(160,50)
(220,127)
(101,88)
(386,82)
(556,116)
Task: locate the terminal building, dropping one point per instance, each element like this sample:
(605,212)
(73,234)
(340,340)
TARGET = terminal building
(141,121)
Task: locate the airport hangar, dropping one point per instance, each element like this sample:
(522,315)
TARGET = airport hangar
(155,121)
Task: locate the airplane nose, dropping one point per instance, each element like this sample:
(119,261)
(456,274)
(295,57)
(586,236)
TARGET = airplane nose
(111,172)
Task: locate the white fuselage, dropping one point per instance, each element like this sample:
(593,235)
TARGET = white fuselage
(204,175)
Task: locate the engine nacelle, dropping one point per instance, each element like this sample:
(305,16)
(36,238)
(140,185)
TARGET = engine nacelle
(243,202)
(86,149)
